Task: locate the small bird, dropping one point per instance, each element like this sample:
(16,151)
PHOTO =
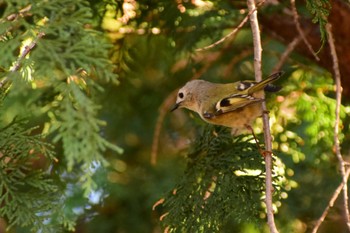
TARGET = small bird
(235,105)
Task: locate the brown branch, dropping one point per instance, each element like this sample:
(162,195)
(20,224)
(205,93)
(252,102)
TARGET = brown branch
(301,32)
(338,89)
(237,58)
(234,31)
(256,40)
(267,134)
(164,108)
(276,23)
(13,17)
(290,48)
(26,51)
(330,203)
(22,55)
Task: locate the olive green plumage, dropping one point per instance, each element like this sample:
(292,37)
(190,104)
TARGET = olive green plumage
(234,105)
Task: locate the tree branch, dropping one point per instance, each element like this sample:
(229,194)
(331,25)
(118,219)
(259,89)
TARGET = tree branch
(338,89)
(267,134)
(330,203)
(301,32)
(276,23)
(164,108)
(234,31)
(290,48)
(13,17)
(22,55)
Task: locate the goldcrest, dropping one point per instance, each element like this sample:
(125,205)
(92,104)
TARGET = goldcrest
(235,105)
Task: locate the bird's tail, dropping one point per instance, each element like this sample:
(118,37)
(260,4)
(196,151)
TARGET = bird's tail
(266,84)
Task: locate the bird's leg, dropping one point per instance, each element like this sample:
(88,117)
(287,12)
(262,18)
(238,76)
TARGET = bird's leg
(261,151)
(256,140)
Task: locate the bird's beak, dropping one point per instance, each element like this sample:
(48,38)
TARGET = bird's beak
(176,106)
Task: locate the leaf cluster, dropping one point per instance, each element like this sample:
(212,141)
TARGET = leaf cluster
(320,10)
(67,63)
(53,64)
(304,135)
(26,193)
(313,116)
(223,182)
(186,25)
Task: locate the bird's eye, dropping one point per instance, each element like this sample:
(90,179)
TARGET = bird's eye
(181,95)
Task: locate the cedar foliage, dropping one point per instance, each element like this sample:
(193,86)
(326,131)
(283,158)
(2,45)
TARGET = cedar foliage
(320,11)
(65,86)
(20,185)
(221,173)
(52,62)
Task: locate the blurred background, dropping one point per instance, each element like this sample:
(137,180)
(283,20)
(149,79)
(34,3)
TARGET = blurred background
(152,48)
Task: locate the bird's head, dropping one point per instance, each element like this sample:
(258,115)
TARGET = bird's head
(186,96)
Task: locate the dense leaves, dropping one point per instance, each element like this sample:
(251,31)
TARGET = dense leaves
(25,192)
(221,173)
(52,62)
(59,65)
(320,11)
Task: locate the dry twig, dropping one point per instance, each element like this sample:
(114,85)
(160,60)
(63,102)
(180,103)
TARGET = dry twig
(164,108)
(300,30)
(337,120)
(234,31)
(13,17)
(22,13)
(236,59)
(338,89)
(267,134)
(344,172)
(330,203)
(291,46)
(22,55)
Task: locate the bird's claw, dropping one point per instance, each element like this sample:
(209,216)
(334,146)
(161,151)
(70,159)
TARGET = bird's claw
(208,115)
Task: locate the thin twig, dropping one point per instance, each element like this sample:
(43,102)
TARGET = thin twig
(256,40)
(267,134)
(22,55)
(331,203)
(291,46)
(300,30)
(25,52)
(163,109)
(22,13)
(237,58)
(338,89)
(13,17)
(234,31)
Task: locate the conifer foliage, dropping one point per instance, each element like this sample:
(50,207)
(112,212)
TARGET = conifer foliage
(223,181)
(52,61)
(27,196)
(62,117)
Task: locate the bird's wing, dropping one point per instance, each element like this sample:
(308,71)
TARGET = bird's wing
(234,102)
(243,96)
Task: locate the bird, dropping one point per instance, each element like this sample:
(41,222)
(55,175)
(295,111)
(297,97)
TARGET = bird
(234,105)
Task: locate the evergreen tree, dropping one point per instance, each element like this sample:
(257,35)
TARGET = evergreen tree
(79,80)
